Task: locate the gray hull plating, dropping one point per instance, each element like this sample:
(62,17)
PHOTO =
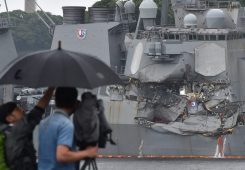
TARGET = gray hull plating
(133,140)
(8,53)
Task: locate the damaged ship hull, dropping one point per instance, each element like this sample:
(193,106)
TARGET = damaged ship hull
(138,139)
(184,84)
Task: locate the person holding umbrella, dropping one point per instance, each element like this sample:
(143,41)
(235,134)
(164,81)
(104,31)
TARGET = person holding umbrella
(56,135)
(59,68)
(18,128)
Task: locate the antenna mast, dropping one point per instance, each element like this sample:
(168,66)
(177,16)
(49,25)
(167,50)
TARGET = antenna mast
(6,5)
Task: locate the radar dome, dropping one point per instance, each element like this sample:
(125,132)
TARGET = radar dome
(129,7)
(190,20)
(215,18)
(148,9)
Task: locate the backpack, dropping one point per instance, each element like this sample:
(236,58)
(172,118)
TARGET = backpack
(91,125)
(3,162)
(86,124)
(91,128)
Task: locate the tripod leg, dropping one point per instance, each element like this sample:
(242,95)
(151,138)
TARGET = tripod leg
(95,164)
(86,163)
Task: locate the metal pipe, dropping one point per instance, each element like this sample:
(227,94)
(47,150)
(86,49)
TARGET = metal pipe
(29,6)
(137,28)
(52,22)
(6,5)
(164,12)
(45,23)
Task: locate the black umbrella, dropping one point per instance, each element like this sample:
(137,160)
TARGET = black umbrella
(59,68)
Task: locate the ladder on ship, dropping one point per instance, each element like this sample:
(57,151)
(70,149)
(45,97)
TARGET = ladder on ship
(48,22)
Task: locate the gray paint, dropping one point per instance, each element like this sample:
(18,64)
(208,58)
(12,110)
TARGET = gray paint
(7,48)
(8,53)
(95,43)
(130,137)
(157,60)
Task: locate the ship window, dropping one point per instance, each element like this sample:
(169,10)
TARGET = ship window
(165,36)
(177,36)
(171,36)
(235,36)
(161,34)
(229,37)
(212,37)
(200,37)
(190,37)
(194,37)
(207,38)
(221,37)
(240,35)
(184,37)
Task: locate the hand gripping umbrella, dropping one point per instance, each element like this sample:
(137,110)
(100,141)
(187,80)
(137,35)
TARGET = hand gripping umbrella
(59,68)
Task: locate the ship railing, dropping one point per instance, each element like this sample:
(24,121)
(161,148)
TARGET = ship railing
(222,4)
(119,70)
(6,23)
(201,6)
(206,4)
(190,36)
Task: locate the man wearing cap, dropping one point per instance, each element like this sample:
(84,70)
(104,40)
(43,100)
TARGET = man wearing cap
(19,127)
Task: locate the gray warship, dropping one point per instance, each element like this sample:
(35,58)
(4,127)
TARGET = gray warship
(8,53)
(184,84)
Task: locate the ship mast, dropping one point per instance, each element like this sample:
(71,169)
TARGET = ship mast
(6,5)
(30,6)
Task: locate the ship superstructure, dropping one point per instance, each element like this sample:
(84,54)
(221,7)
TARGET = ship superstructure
(185,83)
(191,72)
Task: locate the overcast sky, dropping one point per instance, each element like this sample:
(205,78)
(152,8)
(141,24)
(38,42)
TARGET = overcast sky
(53,6)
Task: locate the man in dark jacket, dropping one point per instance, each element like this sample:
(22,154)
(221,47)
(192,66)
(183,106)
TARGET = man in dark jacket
(19,149)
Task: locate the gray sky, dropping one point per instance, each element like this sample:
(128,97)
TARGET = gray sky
(53,6)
